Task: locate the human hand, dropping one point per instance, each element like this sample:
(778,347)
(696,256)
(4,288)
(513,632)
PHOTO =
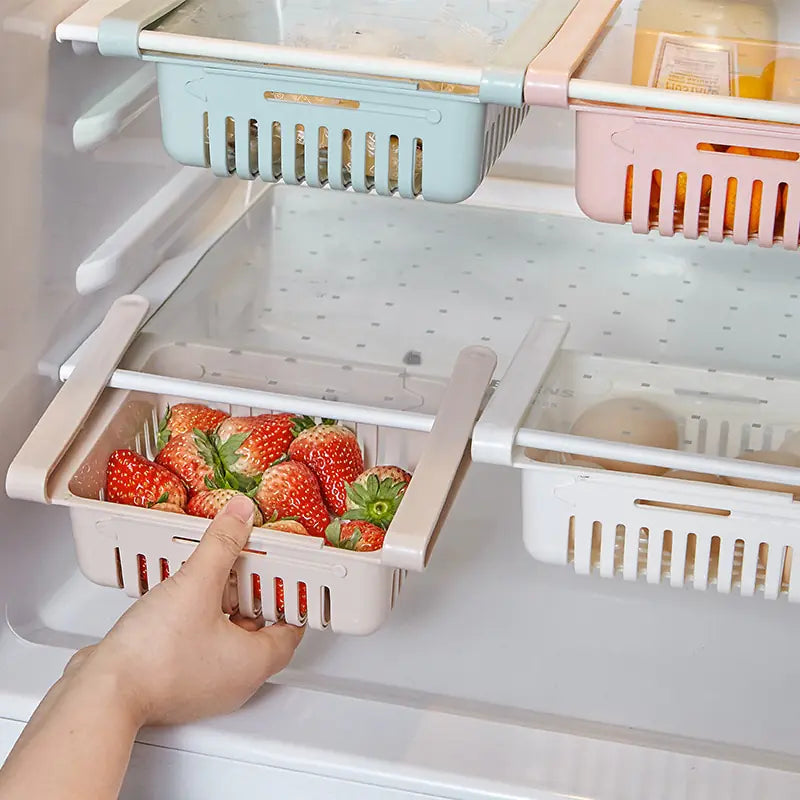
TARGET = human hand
(174,655)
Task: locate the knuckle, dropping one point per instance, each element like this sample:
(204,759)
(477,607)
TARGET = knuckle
(226,537)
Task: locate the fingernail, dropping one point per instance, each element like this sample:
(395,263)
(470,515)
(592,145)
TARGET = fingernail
(240,507)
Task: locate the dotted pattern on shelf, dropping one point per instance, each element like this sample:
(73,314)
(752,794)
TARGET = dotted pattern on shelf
(407,285)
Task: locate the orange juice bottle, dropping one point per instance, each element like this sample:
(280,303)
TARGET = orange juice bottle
(705,46)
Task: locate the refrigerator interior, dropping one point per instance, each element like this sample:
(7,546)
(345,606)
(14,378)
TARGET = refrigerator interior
(495,675)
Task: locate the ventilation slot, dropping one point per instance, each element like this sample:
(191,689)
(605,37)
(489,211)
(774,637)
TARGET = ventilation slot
(277,152)
(619,549)
(302,602)
(369,160)
(394,162)
(691,554)
(597,544)
(230,140)
(206,141)
(713,561)
(786,577)
(571,541)
(299,153)
(418,166)
(118,562)
(761,567)
(738,561)
(644,548)
(666,555)
(163,565)
(322,155)
(326,606)
(256,589)
(345,164)
(280,605)
(252,147)
(141,566)
(655,197)
(629,193)
(780,213)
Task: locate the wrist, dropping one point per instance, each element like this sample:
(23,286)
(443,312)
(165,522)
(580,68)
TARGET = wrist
(98,680)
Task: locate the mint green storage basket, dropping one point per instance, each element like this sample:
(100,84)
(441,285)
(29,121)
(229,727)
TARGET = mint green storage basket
(380,137)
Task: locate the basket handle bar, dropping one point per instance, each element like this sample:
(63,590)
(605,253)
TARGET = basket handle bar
(548,76)
(495,434)
(415,528)
(29,473)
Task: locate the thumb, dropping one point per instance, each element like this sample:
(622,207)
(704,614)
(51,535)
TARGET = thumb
(222,542)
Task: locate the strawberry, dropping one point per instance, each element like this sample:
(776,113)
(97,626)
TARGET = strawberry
(185,417)
(287,526)
(134,481)
(333,454)
(280,599)
(201,460)
(210,502)
(375,495)
(267,438)
(351,535)
(168,507)
(189,456)
(289,489)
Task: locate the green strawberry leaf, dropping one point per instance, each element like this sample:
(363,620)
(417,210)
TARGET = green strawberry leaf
(164,432)
(163,499)
(300,424)
(356,513)
(326,421)
(228,449)
(333,533)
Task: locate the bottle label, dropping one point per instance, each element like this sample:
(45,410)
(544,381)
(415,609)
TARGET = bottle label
(689,64)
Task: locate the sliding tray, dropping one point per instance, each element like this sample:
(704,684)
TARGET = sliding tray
(610,505)
(409,98)
(64,461)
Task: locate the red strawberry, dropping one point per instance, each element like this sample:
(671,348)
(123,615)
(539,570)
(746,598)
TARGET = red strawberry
(134,481)
(168,507)
(287,526)
(210,502)
(267,438)
(289,489)
(332,452)
(280,599)
(189,455)
(185,417)
(375,495)
(361,536)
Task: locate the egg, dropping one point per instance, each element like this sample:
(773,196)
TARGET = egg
(630,421)
(777,457)
(700,477)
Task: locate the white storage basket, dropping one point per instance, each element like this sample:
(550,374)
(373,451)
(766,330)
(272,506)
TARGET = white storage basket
(657,529)
(65,457)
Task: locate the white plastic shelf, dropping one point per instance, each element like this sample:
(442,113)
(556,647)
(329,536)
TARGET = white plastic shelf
(407,285)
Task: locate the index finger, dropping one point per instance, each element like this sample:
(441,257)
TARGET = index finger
(222,542)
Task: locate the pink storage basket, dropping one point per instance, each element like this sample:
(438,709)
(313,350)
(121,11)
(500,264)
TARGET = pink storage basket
(628,166)
(630,161)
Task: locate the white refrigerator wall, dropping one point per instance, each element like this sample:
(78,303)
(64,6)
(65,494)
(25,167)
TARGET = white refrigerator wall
(56,207)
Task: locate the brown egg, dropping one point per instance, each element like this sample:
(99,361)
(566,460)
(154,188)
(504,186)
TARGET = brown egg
(700,477)
(631,421)
(776,457)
